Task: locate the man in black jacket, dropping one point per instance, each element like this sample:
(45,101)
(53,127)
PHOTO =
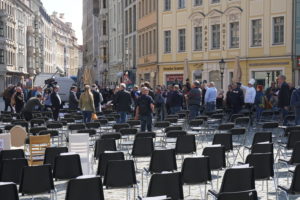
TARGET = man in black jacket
(56,102)
(283,96)
(176,100)
(97,97)
(73,99)
(122,103)
(30,106)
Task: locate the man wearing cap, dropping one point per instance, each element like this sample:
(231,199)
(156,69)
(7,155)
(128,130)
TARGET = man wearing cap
(194,100)
(250,94)
(56,102)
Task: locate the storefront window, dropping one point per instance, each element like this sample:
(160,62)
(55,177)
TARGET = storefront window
(174,79)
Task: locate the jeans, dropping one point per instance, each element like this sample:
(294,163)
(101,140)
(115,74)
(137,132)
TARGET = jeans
(7,104)
(160,113)
(175,109)
(284,113)
(122,118)
(87,116)
(297,115)
(146,121)
(210,106)
(194,111)
(259,110)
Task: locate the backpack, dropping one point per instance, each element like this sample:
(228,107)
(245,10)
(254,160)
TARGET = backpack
(144,106)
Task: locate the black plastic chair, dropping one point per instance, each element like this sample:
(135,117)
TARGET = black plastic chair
(196,171)
(93,125)
(263,167)
(236,180)
(162,160)
(169,184)
(36,130)
(117,127)
(185,144)
(142,147)
(243,195)
(91,132)
(115,136)
(85,188)
(120,174)
(76,127)
(294,187)
(38,122)
(104,158)
(134,123)
(67,167)
(103,145)
(9,191)
(145,134)
(11,169)
(37,180)
(51,153)
(173,128)
(11,154)
(54,125)
(295,158)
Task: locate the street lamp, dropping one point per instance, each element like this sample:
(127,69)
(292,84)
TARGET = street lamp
(105,73)
(222,68)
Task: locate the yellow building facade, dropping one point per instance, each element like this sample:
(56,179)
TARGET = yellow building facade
(198,34)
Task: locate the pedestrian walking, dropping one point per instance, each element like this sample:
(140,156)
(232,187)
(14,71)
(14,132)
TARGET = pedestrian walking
(145,108)
(250,94)
(236,99)
(194,100)
(19,100)
(159,103)
(122,103)
(210,97)
(260,99)
(97,97)
(86,104)
(7,94)
(295,103)
(47,98)
(56,102)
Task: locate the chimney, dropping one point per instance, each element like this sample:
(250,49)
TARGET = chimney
(61,15)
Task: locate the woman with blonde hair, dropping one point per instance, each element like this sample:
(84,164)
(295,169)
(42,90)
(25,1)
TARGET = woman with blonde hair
(86,104)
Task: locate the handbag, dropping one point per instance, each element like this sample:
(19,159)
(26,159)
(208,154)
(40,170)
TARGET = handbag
(94,116)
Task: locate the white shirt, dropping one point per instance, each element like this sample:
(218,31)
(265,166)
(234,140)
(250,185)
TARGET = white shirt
(249,94)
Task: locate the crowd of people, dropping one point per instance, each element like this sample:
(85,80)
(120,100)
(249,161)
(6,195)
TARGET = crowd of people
(143,102)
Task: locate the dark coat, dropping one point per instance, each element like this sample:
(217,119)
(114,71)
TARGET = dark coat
(176,99)
(284,95)
(56,103)
(96,98)
(73,101)
(122,101)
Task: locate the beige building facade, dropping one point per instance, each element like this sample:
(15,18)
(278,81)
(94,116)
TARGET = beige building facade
(199,33)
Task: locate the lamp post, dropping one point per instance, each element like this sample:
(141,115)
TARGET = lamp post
(222,68)
(105,73)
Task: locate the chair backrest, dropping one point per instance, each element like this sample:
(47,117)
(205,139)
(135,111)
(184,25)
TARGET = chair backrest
(175,133)
(262,164)
(91,132)
(5,141)
(238,179)
(262,137)
(85,188)
(103,145)
(217,158)
(93,125)
(54,125)
(133,123)
(39,122)
(169,184)
(115,136)
(142,147)
(79,143)
(77,126)
(242,121)
(36,130)
(224,139)
(295,158)
(9,191)
(163,160)
(162,124)
(270,125)
(36,179)
(11,169)
(245,195)
(128,131)
(196,170)
(52,152)
(117,127)
(196,122)
(225,127)
(235,116)
(11,154)
(18,135)
(262,148)
(105,157)
(295,186)
(185,144)
(67,166)
(238,131)
(119,173)
(173,128)
(293,137)
(145,134)
(53,133)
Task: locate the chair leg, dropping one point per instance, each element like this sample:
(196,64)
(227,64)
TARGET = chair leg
(267,190)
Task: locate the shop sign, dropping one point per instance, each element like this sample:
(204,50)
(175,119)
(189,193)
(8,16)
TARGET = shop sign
(173,68)
(269,64)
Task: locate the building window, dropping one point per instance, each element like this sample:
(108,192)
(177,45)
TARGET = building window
(198,38)
(104,3)
(215,1)
(167,5)
(198,2)
(278,30)
(181,4)
(104,27)
(1,29)
(181,40)
(167,36)
(1,56)
(234,35)
(215,36)
(256,32)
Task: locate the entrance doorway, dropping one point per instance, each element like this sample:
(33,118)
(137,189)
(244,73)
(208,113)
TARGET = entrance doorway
(265,78)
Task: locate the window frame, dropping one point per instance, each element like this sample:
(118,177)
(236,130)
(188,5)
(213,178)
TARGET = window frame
(194,38)
(181,4)
(229,35)
(251,32)
(170,42)
(212,38)
(179,42)
(170,5)
(273,31)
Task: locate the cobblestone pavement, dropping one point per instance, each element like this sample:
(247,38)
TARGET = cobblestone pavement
(194,190)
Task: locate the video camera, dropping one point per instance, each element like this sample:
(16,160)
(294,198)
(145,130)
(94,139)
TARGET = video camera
(50,82)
